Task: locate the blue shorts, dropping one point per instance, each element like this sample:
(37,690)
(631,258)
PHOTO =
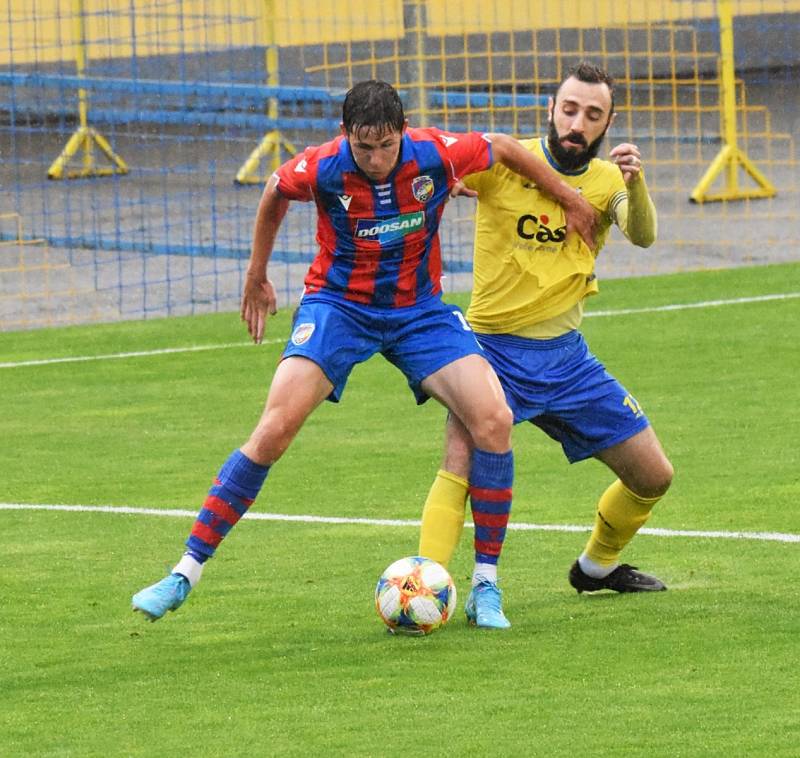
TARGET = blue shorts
(419,339)
(561,387)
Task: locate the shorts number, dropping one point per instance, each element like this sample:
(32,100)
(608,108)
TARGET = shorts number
(633,404)
(464,325)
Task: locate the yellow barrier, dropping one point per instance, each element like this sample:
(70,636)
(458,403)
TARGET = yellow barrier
(277,24)
(85,137)
(272,142)
(731,158)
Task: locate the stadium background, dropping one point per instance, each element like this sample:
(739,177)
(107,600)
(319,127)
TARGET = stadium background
(135,135)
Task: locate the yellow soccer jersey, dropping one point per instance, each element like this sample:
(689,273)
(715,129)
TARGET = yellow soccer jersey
(529,277)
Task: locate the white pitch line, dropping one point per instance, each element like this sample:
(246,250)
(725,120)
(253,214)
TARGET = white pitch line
(307,519)
(226,346)
(135,354)
(701,304)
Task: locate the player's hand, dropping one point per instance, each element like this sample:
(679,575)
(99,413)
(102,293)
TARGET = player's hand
(461,190)
(258,302)
(582,218)
(629,160)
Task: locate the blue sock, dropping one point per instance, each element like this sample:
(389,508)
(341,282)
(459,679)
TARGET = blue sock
(236,487)
(490,484)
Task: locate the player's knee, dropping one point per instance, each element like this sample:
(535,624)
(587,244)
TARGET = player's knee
(663,476)
(499,422)
(655,481)
(272,437)
(493,430)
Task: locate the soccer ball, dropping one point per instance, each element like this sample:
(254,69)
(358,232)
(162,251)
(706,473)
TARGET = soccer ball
(415,595)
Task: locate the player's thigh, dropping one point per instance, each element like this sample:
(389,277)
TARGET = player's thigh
(335,336)
(423,339)
(298,387)
(470,389)
(586,409)
(640,462)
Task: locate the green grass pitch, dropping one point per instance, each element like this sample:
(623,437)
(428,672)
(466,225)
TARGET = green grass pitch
(279,651)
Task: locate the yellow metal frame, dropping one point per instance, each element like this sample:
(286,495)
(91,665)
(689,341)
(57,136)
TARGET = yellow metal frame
(730,158)
(273,142)
(85,137)
(270,146)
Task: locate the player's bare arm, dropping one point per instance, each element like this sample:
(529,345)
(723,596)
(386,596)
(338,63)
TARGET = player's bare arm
(258,296)
(638,221)
(581,217)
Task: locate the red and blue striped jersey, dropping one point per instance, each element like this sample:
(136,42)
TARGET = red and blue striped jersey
(379,242)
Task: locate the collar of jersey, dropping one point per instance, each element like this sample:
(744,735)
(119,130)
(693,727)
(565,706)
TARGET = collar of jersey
(406,155)
(554,164)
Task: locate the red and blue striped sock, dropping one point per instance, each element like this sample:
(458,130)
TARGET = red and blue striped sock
(233,492)
(490,484)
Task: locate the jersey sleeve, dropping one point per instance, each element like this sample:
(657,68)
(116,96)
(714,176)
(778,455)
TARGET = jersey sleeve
(295,180)
(633,211)
(468,152)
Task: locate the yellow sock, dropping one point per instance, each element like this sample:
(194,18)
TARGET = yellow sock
(443,517)
(620,514)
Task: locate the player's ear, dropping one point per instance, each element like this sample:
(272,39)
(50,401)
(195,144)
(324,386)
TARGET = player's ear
(612,120)
(405,126)
(551,104)
(341,126)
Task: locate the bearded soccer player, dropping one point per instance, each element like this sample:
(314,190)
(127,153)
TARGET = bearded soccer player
(530,281)
(374,287)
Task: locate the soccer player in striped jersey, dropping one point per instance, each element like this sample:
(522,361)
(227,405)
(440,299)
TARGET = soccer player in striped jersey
(530,282)
(374,287)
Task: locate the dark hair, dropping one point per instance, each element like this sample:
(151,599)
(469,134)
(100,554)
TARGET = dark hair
(373,105)
(591,74)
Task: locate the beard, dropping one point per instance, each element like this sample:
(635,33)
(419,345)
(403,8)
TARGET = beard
(571,160)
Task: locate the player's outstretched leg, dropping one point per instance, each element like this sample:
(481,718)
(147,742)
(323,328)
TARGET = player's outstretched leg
(233,492)
(620,514)
(491,479)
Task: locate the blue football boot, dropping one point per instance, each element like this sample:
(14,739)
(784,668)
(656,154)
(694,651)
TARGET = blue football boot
(484,607)
(167,595)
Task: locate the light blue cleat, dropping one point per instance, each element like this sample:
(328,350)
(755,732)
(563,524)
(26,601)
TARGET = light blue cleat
(167,595)
(484,607)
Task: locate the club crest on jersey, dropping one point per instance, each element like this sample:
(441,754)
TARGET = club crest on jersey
(422,188)
(302,333)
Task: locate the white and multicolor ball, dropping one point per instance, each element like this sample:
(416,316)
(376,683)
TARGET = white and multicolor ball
(415,595)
